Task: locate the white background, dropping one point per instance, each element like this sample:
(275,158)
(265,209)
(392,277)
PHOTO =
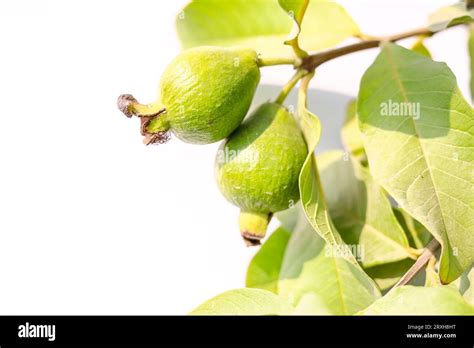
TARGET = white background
(91,220)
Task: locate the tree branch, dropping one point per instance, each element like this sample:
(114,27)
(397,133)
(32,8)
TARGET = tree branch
(313,61)
(420,263)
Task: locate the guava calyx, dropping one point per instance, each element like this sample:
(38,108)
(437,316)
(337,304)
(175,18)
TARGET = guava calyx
(124,101)
(153,126)
(158,137)
(253,226)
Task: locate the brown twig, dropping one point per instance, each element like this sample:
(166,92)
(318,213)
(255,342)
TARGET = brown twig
(313,61)
(427,254)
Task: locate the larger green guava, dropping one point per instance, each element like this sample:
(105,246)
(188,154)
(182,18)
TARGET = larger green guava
(204,94)
(258,167)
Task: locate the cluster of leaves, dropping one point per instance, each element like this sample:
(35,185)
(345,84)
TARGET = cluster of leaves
(402,180)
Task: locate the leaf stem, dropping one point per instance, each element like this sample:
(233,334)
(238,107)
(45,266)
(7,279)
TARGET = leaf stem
(305,83)
(313,61)
(427,254)
(289,86)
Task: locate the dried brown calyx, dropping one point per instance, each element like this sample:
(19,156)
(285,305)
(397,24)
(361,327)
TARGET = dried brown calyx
(153,124)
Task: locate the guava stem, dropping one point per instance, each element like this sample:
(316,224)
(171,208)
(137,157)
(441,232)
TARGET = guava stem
(271,61)
(289,86)
(131,107)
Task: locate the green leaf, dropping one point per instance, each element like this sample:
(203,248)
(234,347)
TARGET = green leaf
(290,218)
(422,157)
(471,55)
(245,302)
(361,212)
(296,10)
(431,276)
(350,133)
(449,16)
(387,275)
(318,282)
(418,235)
(305,245)
(258,24)
(325,24)
(419,47)
(311,191)
(311,304)
(414,300)
(264,269)
(262,25)
(465,285)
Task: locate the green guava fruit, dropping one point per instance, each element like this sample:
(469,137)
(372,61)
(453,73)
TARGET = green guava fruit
(258,166)
(204,95)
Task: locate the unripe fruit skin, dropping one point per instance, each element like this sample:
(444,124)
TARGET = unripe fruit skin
(265,155)
(207,91)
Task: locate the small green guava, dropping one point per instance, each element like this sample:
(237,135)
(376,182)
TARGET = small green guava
(258,166)
(205,93)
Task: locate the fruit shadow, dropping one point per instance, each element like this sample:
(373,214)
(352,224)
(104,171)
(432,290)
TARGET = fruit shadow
(330,107)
